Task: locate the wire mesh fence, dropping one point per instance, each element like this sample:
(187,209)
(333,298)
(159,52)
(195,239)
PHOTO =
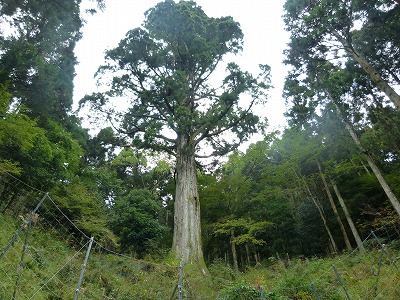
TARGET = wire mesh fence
(369,274)
(46,256)
(37,272)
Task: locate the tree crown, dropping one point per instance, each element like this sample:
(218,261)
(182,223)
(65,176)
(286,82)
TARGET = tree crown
(164,68)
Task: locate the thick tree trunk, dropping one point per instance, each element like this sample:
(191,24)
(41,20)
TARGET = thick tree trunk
(353,228)
(335,211)
(187,232)
(373,73)
(375,169)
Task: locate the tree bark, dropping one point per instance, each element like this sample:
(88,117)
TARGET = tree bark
(334,208)
(321,213)
(353,228)
(377,79)
(365,167)
(247,254)
(187,232)
(375,169)
(373,73)
(234,254)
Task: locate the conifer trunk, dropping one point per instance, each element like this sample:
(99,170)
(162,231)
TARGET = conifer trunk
(234,254)
(247,254)
(374,167)
(353,228)
(334,208)
(187,231)
(320,211)
(377,79)
(370,70)
(328,231)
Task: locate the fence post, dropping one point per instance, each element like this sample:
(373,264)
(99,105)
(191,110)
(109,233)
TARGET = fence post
(22,258)
(315,291)
(23,226)
(378,272)
(341,282)
(261,293)
(83,269)
(383,247)
(180,281)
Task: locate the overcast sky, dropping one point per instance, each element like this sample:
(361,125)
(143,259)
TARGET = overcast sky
(260,20)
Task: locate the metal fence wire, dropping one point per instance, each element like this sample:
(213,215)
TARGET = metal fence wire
(43,258)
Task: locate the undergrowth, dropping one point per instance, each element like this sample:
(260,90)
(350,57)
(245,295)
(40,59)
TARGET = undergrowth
(51,268)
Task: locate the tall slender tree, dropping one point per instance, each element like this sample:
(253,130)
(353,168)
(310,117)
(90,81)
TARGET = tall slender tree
(164,68)
(363,32)
(334,208)
(37,53)
(349,219)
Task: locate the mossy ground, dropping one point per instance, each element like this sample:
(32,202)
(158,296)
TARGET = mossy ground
(51,268)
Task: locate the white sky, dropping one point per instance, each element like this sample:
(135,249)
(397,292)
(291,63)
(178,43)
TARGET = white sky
(260,20)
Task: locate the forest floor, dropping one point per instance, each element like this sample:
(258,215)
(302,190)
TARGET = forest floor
(50,268)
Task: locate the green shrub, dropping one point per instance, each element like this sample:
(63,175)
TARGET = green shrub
(240,292)
(221,269)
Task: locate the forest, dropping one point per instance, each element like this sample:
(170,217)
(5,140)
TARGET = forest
(144,184)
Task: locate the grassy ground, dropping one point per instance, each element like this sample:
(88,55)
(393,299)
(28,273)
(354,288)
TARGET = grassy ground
(52,265)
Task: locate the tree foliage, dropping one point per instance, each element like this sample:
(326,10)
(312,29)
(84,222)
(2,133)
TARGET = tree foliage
(17,132)
(270,200)
(135,221)
(164,68)
(352,35)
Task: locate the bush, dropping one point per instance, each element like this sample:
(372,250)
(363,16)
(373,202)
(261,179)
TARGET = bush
(240,292)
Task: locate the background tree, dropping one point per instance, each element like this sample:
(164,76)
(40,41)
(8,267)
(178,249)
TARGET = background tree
(344,54)
(336,69)
(135,220)
(241,231)
(164,68)
(252,187)
(37,63)
(41,140)
(17,132)
(364,34)
(37,57)
(40,157)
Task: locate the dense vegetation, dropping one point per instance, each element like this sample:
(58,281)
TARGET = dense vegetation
(51,270)
(314,190)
